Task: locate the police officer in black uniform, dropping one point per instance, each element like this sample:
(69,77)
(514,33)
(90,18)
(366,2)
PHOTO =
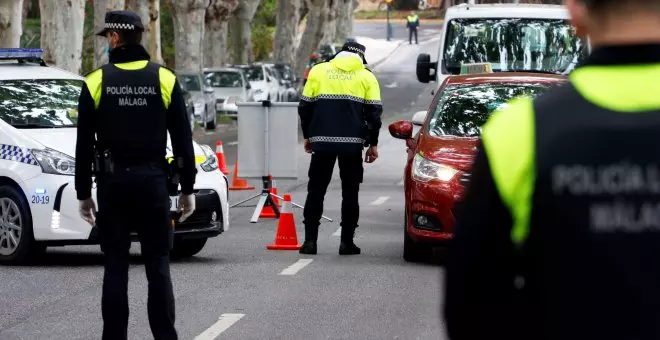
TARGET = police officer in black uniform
(559,237)
(126,109)
(340,111)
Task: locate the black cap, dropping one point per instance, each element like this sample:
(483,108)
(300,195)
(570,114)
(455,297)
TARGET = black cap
(121,21)
(355,47)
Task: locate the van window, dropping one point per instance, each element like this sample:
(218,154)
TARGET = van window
(541,45)
(40,103)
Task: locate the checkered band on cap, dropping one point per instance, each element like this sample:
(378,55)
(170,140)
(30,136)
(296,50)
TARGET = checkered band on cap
(355,49)
(119,26)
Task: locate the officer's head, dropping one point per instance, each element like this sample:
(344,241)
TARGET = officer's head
(355,47)
(122,28)
(606,21)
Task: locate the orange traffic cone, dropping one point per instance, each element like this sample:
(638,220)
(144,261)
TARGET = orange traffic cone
(239,183)
(220,153)
(286,238)
(273,190)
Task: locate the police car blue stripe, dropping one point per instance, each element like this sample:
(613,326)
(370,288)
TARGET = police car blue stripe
(16,154)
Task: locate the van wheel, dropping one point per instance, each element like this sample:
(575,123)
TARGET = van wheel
(414,251)
(187,248)
(17,243)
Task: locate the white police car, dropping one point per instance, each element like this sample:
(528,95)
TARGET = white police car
(38,205)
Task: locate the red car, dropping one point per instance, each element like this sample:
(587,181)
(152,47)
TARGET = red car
(440,154)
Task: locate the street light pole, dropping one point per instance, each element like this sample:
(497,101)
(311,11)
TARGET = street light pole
(388,22)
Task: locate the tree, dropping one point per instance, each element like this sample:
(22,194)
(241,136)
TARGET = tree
(149,11)
(345,19)
(62,24)
(286,31)
(188,18)
(241,32)
(11,23)
(311,38)
(217,28)
(330,23)
(100,8)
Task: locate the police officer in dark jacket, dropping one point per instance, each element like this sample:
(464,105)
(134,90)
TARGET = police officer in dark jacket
(340,101)
(126,109)
(560,233)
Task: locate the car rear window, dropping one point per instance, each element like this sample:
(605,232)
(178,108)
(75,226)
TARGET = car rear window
(40,103)
(463,109)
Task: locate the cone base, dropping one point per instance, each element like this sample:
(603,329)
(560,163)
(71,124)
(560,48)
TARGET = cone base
(267,215)
(241,188)
(283,246)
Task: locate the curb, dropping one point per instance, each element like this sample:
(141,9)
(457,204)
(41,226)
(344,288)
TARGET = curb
(376,64)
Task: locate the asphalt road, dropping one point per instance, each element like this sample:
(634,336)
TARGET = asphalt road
(238,288)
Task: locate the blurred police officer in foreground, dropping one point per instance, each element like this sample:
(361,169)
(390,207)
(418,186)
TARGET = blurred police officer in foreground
(341,98)
(126,109)
(560,233)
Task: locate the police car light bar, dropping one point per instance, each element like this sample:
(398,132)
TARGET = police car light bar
(21,53)
(476,68)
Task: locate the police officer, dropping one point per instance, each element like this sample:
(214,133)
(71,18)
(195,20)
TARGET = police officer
(559,237)
(340,99)
(126,109)
(412,23)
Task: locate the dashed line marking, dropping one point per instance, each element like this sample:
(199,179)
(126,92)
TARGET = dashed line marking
(224,322)
(338,232)
(296,267)
(380,200)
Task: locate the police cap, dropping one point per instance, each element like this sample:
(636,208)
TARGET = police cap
(355,47)
(121,21)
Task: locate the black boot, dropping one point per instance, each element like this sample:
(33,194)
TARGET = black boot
(347,247)
(308,248)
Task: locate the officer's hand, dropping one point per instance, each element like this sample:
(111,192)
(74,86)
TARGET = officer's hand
(372,154)
(307,145)
(87,209)
(186,206)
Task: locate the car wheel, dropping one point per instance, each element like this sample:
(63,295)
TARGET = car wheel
(187,248)
(17,243)
(210,125)
(414,251)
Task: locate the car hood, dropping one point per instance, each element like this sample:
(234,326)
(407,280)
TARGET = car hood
(64,140)
(457,152)
(226,92)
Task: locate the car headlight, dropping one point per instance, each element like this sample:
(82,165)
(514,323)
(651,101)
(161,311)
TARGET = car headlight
(424,170)
(55,162)
(211,162)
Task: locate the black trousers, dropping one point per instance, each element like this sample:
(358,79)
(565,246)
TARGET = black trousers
(136,199)
(320,173)
(411,32)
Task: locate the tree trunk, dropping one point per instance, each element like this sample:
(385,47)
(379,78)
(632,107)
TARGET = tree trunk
(311,38)
(11,23)
(345,19)
(241,30)
(217,28)
(149,11)
(330,24)
(188,17)
(100,8)
(286,31)
(62,24)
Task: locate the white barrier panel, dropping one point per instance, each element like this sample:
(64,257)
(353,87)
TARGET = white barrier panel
(268,140)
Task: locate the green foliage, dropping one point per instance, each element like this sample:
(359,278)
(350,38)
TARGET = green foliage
(263,29)
(167,33)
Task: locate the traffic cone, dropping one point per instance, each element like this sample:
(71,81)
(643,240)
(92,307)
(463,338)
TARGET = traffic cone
(220,153)
(285,237)
(273,190)
(239,183)
(268,212)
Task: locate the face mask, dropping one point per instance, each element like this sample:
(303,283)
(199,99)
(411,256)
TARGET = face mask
(107,51)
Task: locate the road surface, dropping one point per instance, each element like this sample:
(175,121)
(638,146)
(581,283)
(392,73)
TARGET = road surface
(238,289)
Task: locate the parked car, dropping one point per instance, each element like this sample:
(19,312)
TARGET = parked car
(289,81)
(281,86)
(203,98)
(230,86)
(263,83)
(190,106)
(441,153)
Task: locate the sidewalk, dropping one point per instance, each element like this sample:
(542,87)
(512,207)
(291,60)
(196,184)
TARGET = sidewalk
(378,50)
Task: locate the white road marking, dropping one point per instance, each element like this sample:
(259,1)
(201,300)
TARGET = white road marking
(380,200)
(296,267)
(338,232)
(224,322)
(393,85)
(233,143)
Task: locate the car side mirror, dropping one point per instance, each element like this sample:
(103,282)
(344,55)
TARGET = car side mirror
(248,86)
(419,117)
(401,129)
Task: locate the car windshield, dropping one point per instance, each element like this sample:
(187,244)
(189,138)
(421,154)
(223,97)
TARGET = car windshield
(190,82)
(464,108)
(40,103)
(224,79)
(541,45)
(255,73)
(284,71)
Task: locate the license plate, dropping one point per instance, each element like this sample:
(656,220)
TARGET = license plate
(174,203)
